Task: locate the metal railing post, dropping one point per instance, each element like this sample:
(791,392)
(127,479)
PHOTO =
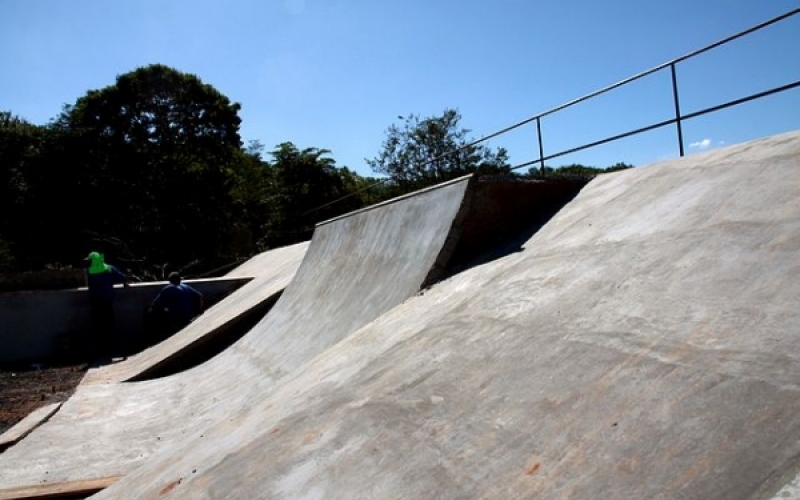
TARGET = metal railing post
(541,148)
(677,107)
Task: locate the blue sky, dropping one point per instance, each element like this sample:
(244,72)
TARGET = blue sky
(335,74)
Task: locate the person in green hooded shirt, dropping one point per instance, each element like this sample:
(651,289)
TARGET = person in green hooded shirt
(101,280)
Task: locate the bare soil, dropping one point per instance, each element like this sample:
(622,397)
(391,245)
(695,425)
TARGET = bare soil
(22,391)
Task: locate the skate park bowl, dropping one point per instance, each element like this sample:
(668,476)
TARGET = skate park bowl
(356,268)
(641,344)
(216,328)
(633,337)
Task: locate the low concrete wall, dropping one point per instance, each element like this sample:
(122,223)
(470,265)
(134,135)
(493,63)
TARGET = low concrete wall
(52,279)
(51,326)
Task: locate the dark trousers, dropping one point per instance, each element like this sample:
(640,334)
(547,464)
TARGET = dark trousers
(101,338)
(161,325)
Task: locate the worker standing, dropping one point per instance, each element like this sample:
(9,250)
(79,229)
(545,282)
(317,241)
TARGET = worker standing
(101,280)
(175,306)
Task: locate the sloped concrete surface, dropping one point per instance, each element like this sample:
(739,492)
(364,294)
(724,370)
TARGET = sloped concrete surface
(271,272)
(27,425)
(643,344)
(263,263)
(355,269)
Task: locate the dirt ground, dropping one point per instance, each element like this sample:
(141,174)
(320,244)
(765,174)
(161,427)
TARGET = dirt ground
(22,391)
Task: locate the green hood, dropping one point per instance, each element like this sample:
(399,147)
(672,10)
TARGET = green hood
(96,263)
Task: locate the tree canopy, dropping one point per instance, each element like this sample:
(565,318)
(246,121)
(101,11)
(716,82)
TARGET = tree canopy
(151,171)
(425,151)
(156,152)
(575,170)
(20,145)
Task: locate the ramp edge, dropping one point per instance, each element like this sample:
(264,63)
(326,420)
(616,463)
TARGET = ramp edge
(67,489)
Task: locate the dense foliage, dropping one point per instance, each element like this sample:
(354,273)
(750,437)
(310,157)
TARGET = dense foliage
(152,172)
(422,152)
(574,170)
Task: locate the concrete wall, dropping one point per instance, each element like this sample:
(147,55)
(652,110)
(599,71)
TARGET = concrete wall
(50,326)
(50,279)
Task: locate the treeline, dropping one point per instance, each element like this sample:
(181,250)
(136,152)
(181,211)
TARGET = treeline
(152,171)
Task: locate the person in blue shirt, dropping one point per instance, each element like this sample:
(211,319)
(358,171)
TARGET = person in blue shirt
(176,305)
(101,279)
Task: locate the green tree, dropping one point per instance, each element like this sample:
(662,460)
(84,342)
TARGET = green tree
(306,181)
(363,191)
(160,151)
(421,152)
(256,203)
(575,170)
(21,145)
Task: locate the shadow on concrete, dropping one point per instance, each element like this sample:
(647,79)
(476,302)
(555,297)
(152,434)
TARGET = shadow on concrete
(209,345)
(498,218)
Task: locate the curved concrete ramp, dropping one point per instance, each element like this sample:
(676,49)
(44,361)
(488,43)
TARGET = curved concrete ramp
(271,272)
(643,344)
(27,425)
(356,268)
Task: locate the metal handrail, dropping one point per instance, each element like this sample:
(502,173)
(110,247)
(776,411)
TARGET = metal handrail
(676,120)
(663,124)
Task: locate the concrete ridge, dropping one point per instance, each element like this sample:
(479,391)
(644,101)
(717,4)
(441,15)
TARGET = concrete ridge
(397,199)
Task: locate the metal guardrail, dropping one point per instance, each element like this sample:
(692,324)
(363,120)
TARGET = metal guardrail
(677,120)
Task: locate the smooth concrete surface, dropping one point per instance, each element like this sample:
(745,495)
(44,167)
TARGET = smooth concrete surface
(355,269)
(27,425)
(270,272)
(643,344)
(263,263)
(28,336)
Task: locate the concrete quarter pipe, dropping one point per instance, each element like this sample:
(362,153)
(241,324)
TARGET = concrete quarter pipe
(356,268)
(272,271)
(643,344)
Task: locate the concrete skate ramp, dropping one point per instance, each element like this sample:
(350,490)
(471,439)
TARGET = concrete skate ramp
(271,272)
(643,344)
(356,268)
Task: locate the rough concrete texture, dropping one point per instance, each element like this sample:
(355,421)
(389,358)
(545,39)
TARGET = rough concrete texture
(27,424)
(355,269)
(271,272)
(643,344)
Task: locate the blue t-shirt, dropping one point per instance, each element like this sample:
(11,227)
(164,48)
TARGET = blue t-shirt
(181,302)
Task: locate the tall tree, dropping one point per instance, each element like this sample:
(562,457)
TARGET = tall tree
(306,181)
(426,151)
(159,150)
(20,144)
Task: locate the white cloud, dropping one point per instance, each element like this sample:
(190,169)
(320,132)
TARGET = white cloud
(701,144)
